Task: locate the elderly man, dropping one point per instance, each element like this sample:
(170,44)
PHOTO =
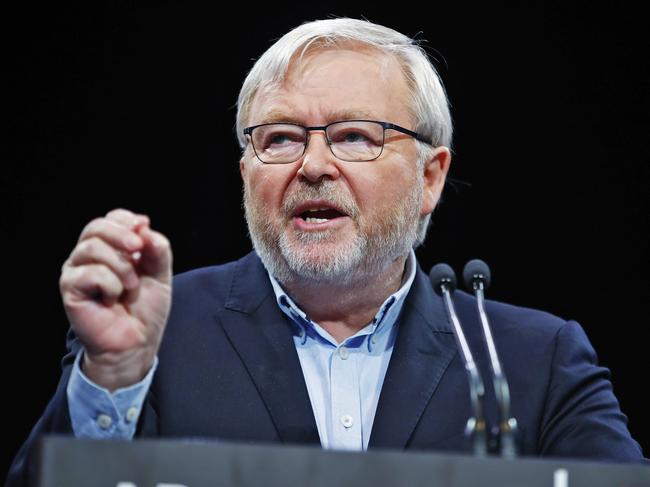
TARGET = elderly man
(329,332)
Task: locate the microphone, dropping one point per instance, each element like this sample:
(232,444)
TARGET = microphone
(476,275)
(443,280)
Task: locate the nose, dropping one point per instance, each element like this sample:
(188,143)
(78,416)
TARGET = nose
(318,161)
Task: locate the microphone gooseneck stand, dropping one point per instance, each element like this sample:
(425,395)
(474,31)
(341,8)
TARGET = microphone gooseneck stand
(443,280)
(477,276)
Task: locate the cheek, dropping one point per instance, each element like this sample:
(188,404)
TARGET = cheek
(267,185)
(380,191)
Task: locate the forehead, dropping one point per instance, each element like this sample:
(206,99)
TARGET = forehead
(328,84)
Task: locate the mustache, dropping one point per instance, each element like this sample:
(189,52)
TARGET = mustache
(325,190)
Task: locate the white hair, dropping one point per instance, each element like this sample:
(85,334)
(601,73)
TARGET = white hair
(430,106)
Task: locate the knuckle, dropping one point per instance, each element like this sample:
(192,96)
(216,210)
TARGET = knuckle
(119,212)
(100,275)
(89,273)
(87,246)
(64,278)
(86,274)
(92,226)
(143,217)
(121,215)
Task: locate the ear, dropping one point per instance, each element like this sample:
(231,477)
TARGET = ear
(242,168)
(435,173)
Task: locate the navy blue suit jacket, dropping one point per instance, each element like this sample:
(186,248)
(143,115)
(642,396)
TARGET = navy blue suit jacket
(229,370)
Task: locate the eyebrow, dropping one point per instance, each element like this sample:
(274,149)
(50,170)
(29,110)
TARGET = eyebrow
(276,116)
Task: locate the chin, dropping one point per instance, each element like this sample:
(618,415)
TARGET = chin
(316,256)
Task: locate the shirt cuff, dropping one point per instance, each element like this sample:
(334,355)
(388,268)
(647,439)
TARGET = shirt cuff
(99,414)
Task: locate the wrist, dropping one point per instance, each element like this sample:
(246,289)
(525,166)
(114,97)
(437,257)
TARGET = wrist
(117,370)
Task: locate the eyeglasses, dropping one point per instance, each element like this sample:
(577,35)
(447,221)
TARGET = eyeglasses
(349,140)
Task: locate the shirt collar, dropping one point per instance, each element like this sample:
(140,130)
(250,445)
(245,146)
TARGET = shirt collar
(384,319)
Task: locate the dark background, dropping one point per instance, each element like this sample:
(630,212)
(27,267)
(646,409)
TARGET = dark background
(132,105)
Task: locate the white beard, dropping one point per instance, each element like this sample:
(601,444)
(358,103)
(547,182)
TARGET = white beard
(291,255)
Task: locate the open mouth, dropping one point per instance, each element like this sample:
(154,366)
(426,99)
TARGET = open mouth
(320,215)
(317,213)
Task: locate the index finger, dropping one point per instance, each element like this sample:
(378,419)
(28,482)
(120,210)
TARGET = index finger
(115,234)
(128,218)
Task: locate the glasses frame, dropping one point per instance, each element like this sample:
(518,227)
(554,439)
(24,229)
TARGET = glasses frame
(385,125)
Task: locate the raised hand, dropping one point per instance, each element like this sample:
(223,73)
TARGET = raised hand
(116,290)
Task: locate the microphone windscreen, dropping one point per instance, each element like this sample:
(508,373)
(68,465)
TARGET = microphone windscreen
(442,274)
(476,269)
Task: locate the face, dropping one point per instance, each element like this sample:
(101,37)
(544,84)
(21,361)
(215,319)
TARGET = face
(323,219)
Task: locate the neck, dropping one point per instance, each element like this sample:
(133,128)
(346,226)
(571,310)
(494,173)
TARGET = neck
(356,303)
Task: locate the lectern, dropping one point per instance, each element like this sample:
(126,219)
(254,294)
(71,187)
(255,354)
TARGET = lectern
(67,462)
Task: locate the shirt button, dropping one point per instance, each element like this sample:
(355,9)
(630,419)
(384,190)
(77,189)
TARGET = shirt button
(344,353)
(132,414)
(104,421)
(347,421)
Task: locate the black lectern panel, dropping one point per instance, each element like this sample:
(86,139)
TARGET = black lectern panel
(66,462)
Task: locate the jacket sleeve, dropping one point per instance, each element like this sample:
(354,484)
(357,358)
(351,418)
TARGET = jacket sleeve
(55,420)
(582,413)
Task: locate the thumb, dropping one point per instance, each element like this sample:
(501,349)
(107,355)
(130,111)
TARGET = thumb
(155,255)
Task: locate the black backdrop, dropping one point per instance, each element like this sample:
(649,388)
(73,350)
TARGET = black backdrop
(132,105)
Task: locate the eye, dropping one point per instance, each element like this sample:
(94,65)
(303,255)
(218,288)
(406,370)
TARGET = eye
(353,137)
(279,139)
(274,138)
(356,133)
(350,136)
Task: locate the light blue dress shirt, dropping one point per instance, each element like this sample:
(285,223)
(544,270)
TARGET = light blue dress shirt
(98,414)
(343,379)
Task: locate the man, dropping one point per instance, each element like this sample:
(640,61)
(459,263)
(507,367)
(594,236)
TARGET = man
(329,332)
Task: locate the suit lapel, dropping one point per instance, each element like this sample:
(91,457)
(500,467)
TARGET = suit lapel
(262,336)
(424,348)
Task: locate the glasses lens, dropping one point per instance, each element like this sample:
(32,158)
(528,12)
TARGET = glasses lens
(279,143)
(356,141)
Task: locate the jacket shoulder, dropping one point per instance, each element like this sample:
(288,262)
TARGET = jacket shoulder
(214,279)
(508,318)
(216,282)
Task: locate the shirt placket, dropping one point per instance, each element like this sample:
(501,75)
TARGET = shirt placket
(346,421)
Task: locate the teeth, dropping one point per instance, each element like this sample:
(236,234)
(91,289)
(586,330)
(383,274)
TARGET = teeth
(315,220)
(318,209)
